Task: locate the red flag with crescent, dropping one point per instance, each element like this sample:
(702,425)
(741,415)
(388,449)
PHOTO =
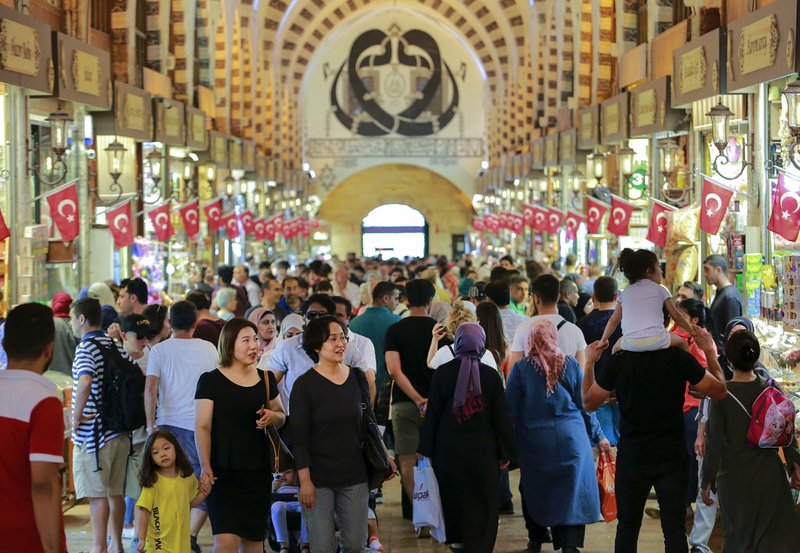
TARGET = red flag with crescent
(539,219)
(213,210)
(595,209)
(305,227)
(504,222)
(63,204)
(231,224)
(528,212)
(278,224)
(4,231)
(260,229)
(713,205)
(516,222)
(657,233)
(162,223)
(248,222)
(190,214)
(121,225)
(554,219)
(785,217)
(492,223)
(571,223)
(269,228)
(620,216)
(478,224)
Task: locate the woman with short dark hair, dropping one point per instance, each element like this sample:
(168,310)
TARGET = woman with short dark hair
(231,413)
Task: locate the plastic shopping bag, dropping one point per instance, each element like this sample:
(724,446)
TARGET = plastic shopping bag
(606,475)
(427,503)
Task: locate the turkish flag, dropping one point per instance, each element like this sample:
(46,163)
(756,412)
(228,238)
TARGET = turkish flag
(269,229)
(539,219)
(504,220)
(305,228)
(785,217)
(478,224)
(64,211)
(260,230)
(516,222)
(121,225)
(4,232)
(528,212)
(162,223)
(620,218)
(278,224)
(247,222)
(492,223)
(713,205)
(190,213)
(554,218)
(572,222)
(657,233)
(595,209)
(231,223)
(213,210)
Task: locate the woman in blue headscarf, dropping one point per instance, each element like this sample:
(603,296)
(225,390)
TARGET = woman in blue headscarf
(467,434)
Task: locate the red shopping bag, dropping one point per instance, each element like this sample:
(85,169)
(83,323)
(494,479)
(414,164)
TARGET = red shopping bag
(606,475)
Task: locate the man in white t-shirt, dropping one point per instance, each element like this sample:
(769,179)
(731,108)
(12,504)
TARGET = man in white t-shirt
(173,369)
(361,344)
(544,293)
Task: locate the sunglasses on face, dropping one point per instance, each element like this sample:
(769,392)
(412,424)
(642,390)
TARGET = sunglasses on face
(315,314)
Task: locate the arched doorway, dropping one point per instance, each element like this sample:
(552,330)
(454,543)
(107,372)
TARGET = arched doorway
(394,230)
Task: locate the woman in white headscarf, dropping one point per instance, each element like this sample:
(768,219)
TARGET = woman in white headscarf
(291,326)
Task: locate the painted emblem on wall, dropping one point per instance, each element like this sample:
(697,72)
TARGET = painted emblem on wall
(394,82)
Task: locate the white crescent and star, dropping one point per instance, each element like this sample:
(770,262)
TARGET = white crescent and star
(159,217)
(214,212)
(192,215)
(661,217)
(716,199)
(554,219)
(793,195)
(618,211)
(120,222)
(64,203)
(594,213)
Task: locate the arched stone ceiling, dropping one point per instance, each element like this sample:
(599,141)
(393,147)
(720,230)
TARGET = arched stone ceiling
(292,31)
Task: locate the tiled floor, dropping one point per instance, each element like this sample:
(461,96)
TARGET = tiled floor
(398,537)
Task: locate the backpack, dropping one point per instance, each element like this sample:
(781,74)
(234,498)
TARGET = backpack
(122,405)
(772,418)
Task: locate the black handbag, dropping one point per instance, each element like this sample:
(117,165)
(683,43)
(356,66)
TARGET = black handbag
(375,455)
(281,458)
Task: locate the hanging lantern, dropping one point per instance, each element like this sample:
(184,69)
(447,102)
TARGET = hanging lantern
(116,156)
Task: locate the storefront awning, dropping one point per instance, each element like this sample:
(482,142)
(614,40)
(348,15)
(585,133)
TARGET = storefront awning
(696,71)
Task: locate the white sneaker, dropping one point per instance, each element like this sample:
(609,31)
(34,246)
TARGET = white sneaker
(127,533)
(375,544)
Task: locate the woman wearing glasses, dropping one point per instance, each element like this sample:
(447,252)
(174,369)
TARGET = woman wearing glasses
(326,406)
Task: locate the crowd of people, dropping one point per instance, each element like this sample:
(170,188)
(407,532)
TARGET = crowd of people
(481,367)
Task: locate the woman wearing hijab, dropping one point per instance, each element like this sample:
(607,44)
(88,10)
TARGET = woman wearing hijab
(552,436)
(265,322)
(65,341)
(291,326)
(467,435)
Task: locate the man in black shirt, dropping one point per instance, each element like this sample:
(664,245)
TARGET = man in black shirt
(727,302)
(407,363)
(652,452)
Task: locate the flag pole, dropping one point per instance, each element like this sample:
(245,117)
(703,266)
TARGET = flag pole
(664,204)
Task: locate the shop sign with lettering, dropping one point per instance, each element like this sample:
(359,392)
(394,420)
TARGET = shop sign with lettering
(614,119)
(26,51)
(587,127)
(537,149)
(551,150)
(696,69)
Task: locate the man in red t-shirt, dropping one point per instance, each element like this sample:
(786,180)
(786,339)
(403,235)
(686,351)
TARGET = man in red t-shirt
(32,434)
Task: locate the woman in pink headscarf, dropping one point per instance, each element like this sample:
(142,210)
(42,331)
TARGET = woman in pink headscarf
(265,321)
(558,484)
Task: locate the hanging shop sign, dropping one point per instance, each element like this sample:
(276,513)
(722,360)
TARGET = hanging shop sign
(170,122)
(26,51)
(218,149)
(588,127)
(131,114)
(696,68)
(537,154)
(235,153)
(84,73)
(196,129)
(650,109)
(567,151)
(614,119)
(249,155)
(551,150)
(762,45)
(262,167)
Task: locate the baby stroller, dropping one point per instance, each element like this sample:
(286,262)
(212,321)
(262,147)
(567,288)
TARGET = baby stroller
(292,523)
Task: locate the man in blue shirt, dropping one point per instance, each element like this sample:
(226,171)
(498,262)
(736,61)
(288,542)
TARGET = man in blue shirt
(374,321)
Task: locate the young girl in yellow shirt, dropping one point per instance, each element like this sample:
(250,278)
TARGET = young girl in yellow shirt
(169,491)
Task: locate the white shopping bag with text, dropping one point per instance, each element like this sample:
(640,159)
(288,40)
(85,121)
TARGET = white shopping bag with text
(427,503)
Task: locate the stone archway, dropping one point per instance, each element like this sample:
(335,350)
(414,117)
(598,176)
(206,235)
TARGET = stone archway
(446,208)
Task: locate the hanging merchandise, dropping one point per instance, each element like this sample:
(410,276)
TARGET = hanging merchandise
(260,230)
(657,233)
(595,209)
(119,223)
(572,222)
(783,221)
(190,214)
(247,222)
(620,218)
(554,219)
(713,205)
(213,211)
(231,223)
(162,224)
(63,204)
(528,212)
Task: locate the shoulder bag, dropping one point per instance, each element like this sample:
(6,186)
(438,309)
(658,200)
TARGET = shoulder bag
(375,455)
(281,458)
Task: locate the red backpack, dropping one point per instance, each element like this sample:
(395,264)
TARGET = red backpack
(772,418)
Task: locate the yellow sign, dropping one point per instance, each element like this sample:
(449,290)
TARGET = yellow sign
(133,112)
(550,150)
(692,70)
(86,73)
(249,154)
(220,146)
(198,128)
(646,104)
(538,153)
(172,121)
(19,48)
(236,155)
(587,122)
(611,118)
(758,45)
(566,146)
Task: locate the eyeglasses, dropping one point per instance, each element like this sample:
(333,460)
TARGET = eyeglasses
(343,339)
(315,314)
